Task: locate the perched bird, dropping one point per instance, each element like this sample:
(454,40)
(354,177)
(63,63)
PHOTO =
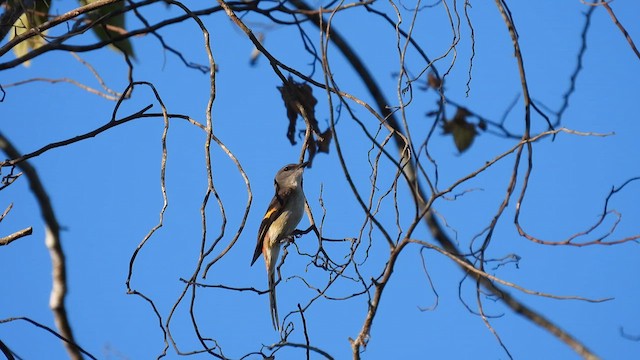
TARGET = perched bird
(283,215)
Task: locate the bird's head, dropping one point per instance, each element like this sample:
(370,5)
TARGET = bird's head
(290,175)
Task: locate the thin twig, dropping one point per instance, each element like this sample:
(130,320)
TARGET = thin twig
(60,335)
(621,27)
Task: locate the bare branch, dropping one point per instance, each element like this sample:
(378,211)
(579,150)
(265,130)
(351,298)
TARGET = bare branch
(52,240)
(605,4)
(477,272)
(15,236)
(629,336)
(49,24)
(600,240)
(574,76)
(165,200)
(12,12)
(6,212)
(6,351)
(417,192)
(384,218)
(64,80)
(284,344)
(60,335)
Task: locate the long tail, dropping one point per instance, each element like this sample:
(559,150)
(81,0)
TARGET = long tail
(272,297)
(271,259)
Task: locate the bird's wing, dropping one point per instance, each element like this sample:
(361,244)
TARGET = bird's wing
(273,211)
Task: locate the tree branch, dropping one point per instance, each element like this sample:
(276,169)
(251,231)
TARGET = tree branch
(15,236)
(419,195)
(621,27)
(52,240)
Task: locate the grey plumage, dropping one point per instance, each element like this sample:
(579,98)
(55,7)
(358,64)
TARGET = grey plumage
(283,215)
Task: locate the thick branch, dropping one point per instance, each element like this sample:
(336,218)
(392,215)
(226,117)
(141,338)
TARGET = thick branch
(12,12)
(52,240)
(6,351)
(363,336)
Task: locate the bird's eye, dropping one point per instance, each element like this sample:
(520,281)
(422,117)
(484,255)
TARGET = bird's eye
(286,168)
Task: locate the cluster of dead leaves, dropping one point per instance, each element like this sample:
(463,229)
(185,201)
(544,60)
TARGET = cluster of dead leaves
(299,100)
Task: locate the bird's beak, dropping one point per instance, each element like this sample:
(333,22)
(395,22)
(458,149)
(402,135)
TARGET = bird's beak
(303,165)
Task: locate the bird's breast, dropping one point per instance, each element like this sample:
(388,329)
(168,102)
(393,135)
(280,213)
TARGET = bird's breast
(288,220)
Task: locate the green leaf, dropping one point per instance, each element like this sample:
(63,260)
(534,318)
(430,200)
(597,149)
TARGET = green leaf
(111,26)
(31,18)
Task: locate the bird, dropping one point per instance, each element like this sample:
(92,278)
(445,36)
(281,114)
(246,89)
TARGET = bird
(280,220)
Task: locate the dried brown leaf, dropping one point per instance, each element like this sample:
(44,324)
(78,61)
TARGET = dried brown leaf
(463,131)
(324,141)
(298,100)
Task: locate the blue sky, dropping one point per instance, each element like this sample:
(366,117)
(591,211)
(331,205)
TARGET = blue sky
(106,191)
